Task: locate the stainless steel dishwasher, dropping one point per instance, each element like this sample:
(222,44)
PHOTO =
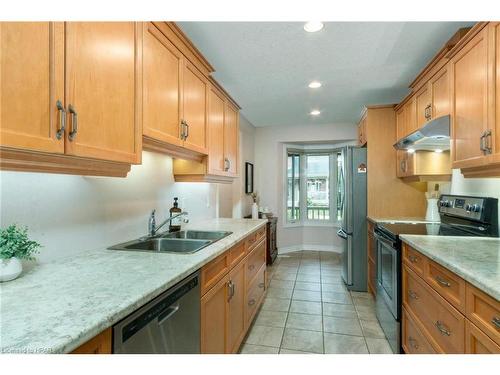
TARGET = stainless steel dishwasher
(168,324)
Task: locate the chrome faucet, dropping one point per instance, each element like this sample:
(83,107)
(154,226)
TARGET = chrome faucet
(153,229)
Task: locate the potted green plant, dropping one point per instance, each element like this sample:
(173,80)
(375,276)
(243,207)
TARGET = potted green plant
(14,246)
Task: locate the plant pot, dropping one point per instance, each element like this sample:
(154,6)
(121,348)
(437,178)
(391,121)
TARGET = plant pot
(10,269)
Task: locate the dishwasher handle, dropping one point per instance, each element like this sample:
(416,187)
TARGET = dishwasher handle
(165,315)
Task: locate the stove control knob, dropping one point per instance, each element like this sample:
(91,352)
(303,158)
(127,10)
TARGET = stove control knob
(444,203)
(476,208)
(468,207)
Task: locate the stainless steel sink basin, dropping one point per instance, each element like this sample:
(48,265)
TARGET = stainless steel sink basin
(163,245)
(198,235)
(182,242)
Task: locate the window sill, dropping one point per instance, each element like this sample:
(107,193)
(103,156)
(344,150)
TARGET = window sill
(313,224)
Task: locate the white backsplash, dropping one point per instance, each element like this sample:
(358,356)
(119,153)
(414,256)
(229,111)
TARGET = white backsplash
(481,187)
(70,214)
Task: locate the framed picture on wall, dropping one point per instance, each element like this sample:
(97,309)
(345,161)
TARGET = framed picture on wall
(248,178)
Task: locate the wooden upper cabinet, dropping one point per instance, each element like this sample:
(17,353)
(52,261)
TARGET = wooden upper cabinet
(104,90)
(194,114)
(439,88)
(31,83)
(231,135)
(400,123)
(470,85)
(422,106)
(162,74)
(216,110)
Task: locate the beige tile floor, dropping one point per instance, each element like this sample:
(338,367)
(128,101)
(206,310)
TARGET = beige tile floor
(308,309)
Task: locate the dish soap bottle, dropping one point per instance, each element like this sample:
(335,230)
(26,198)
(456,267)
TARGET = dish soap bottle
(175,224)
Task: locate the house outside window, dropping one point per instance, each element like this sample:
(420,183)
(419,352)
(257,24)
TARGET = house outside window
(312,194)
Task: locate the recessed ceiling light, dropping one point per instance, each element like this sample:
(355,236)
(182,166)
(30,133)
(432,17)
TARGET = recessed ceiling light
(315,112)
(315,84)
(438,150)
(313,26)
(411,150)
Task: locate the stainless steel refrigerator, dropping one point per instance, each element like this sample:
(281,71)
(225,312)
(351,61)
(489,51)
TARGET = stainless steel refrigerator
(351,184)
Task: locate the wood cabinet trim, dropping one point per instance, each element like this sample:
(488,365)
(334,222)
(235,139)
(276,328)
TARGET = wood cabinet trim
(478,315)
(184,44)
(33,161)
(100,344)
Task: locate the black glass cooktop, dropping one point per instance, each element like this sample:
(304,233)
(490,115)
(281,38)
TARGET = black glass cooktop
(434,229)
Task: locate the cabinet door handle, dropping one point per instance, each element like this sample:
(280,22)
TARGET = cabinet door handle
(481,142)
(412,294)
(488,145)
(182,129)
(74,122)
(230,287)
(413,342)
(442,281)
(496,321)
(251,302)
(187,130)
(62,119)
(441,328)
(261,285)
(413,258)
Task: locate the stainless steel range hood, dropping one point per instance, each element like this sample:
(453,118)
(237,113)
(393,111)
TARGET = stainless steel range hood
(434,135)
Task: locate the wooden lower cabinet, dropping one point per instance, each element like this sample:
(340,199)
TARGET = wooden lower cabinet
(237,325)
(413,340)
(236,287)
(214,317)
(443,313)
(100,344)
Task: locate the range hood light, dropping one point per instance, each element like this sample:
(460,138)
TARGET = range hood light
(438,150)
(410,150)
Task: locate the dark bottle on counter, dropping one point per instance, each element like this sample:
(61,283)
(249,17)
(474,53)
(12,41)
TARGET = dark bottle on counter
(175,224)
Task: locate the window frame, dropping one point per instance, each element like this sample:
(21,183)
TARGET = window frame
(332,186)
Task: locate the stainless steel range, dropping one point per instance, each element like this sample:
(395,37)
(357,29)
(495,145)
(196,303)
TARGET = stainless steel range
(460,216)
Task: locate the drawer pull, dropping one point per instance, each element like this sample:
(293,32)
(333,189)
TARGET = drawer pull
(441,327)
(442,281)
(413,258)
(251,302)
(496,322)
(252,240)
(261,285)
(251,267)
(412,294)
(413,342)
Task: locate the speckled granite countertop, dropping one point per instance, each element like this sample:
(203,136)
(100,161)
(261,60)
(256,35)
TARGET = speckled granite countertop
(401,219)
(57,306)
(476,260)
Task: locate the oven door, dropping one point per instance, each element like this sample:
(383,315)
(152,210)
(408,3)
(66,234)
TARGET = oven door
(387,274)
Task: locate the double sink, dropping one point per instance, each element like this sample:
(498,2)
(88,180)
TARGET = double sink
(181,242)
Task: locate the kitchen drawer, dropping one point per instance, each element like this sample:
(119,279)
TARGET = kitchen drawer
(413,340)
(446,283)
(476,342)
(213,271)
(255,260)
(261,232)
(254,238)
(414,259)
(484,312)
(445,325)
(236,253)
(254,295)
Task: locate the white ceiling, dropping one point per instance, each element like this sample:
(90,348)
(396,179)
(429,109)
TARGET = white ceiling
(266,66)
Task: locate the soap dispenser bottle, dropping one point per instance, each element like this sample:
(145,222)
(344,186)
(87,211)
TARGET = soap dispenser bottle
(175,224)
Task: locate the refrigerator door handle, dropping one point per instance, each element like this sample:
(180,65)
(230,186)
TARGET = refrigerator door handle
(342,234)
